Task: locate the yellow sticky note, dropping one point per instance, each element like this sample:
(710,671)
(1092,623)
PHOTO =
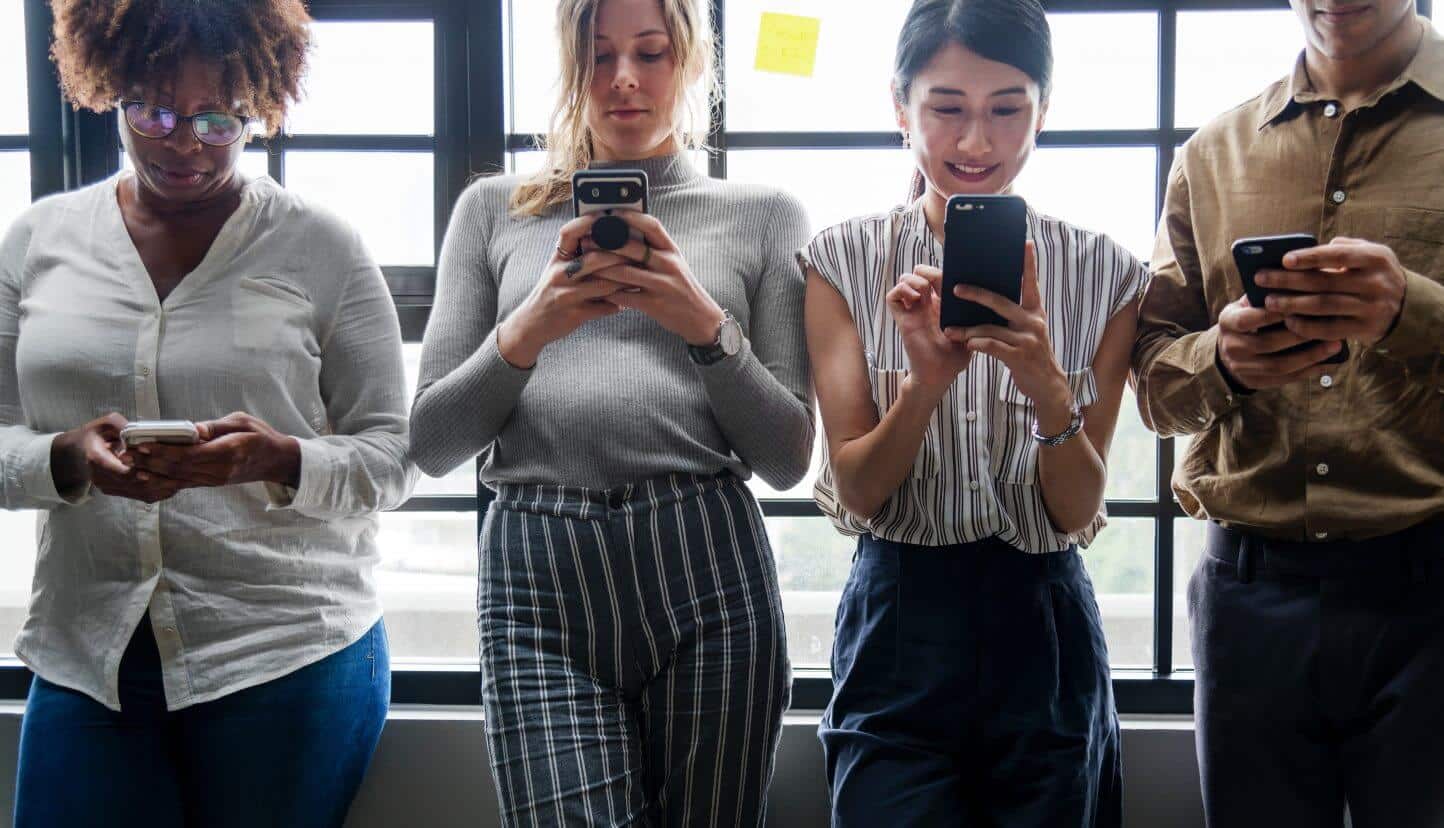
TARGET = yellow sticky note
(787,44)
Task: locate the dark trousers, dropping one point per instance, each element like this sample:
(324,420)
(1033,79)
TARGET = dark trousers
(289,753)
(971,689)
(1321,680)
(633,654)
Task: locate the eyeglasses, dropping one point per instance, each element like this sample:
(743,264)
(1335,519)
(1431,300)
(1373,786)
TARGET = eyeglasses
(216,129)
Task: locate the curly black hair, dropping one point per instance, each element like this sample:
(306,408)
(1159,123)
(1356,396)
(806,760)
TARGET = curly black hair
(104,47)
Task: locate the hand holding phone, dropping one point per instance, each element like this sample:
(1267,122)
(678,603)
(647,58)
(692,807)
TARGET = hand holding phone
(1252,255)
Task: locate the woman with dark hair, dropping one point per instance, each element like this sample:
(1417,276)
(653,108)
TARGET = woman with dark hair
(204,629)
(633,655)
(971,674)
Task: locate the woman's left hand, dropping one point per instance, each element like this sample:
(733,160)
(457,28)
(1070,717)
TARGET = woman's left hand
(661,285)
(235,449)
(1023,345)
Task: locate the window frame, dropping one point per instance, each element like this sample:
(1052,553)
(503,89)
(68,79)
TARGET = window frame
(70,149)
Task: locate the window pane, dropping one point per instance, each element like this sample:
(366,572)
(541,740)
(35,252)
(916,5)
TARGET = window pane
(1133,457)
(1187,548)
(14,187)
(369,77)
(531,80)
(1108,189)
(14,106)
(17,568)
(849,87)
(462,479)
(1226,58)
(1120,561)
(427,582)
(834,185)
(1116,52)
(813,560)
(386,196)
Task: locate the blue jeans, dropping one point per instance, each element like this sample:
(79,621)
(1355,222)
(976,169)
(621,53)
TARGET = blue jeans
(290,752)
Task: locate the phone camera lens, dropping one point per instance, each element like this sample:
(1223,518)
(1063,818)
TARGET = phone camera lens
(625,192)
(596,192)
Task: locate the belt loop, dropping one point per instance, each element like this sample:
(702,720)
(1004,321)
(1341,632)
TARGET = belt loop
(1245,560)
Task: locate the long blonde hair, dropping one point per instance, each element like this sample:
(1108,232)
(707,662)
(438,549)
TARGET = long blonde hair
(568,142)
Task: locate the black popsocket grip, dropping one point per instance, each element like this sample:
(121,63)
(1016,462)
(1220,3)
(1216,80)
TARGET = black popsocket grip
(610,232)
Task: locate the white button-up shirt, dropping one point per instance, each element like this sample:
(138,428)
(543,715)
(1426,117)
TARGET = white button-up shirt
(288,319)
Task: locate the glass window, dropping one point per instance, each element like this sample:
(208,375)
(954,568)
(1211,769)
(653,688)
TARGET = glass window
(1105,71)
(1188,535)
(1133,457)
(427,583)
(833,184)
(849,87)
(1120,561)
(17,568)
(1108,189)
(14,186)
(387,196)
(14,102)
(372,78)
(813,561)
(1226,58)
(532,66)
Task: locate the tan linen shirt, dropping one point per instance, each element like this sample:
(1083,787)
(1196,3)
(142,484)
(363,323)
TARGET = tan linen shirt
(1359,452)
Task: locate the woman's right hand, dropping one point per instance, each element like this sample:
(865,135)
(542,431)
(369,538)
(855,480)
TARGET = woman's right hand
(91,455)
(915,303)
(566,297)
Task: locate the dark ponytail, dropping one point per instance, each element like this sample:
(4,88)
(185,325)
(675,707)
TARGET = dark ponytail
(1014,32)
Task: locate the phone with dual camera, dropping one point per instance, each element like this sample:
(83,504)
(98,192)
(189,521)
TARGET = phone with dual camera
(605,193)
(982,247)
(1252,255)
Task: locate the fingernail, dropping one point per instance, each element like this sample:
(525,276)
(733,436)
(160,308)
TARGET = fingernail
(143,477)
(143,450)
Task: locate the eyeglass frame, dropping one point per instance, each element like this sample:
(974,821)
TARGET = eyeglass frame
(246,122)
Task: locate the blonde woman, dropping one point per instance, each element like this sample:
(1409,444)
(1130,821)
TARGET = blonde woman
(632,646)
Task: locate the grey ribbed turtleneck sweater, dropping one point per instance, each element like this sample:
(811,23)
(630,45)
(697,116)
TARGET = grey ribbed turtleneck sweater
(618,400)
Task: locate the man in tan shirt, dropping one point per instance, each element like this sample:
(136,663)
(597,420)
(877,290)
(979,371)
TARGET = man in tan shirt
(1318,608)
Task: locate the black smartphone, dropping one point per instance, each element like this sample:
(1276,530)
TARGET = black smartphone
(983,238)
(1267,253)
(607,192)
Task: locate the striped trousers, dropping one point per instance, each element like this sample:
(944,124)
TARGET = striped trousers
(633,656)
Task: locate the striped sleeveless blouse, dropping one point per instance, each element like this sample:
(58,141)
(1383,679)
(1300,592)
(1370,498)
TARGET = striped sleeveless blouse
(976,473)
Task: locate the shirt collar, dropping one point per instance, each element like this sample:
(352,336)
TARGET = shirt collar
(1425,70)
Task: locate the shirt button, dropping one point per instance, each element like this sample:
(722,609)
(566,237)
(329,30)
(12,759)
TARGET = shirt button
(1331,110)
(148,506)
(1322,469)
(145,370)
(1338,196)
(972,416)
(973,485)
(1326,381)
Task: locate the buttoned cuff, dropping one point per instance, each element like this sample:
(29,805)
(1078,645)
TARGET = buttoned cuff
(1207,388)
(317,469)
(29,472)
(1416,333)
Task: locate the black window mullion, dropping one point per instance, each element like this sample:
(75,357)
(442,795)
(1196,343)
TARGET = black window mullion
(717,139)
(1163,536)
(47,169)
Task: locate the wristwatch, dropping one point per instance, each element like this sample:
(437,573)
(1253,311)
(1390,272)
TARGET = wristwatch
(727,343)
(1074,426)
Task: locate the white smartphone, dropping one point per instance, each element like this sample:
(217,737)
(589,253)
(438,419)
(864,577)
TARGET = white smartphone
(170,432)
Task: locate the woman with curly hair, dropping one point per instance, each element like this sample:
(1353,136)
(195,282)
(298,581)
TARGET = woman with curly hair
(204,628)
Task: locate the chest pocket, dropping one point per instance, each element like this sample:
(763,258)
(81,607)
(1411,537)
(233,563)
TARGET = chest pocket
(269,313)
(1417,237)
(1014,452)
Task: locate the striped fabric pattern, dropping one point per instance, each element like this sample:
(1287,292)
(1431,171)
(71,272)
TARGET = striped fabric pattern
(976,474)
(633,654)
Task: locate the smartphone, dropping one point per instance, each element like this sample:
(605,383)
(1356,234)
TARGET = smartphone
(983,238)
(170,432)
(1267,253)
(607,192)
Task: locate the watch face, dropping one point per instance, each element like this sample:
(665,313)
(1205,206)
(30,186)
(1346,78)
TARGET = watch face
(730,336)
